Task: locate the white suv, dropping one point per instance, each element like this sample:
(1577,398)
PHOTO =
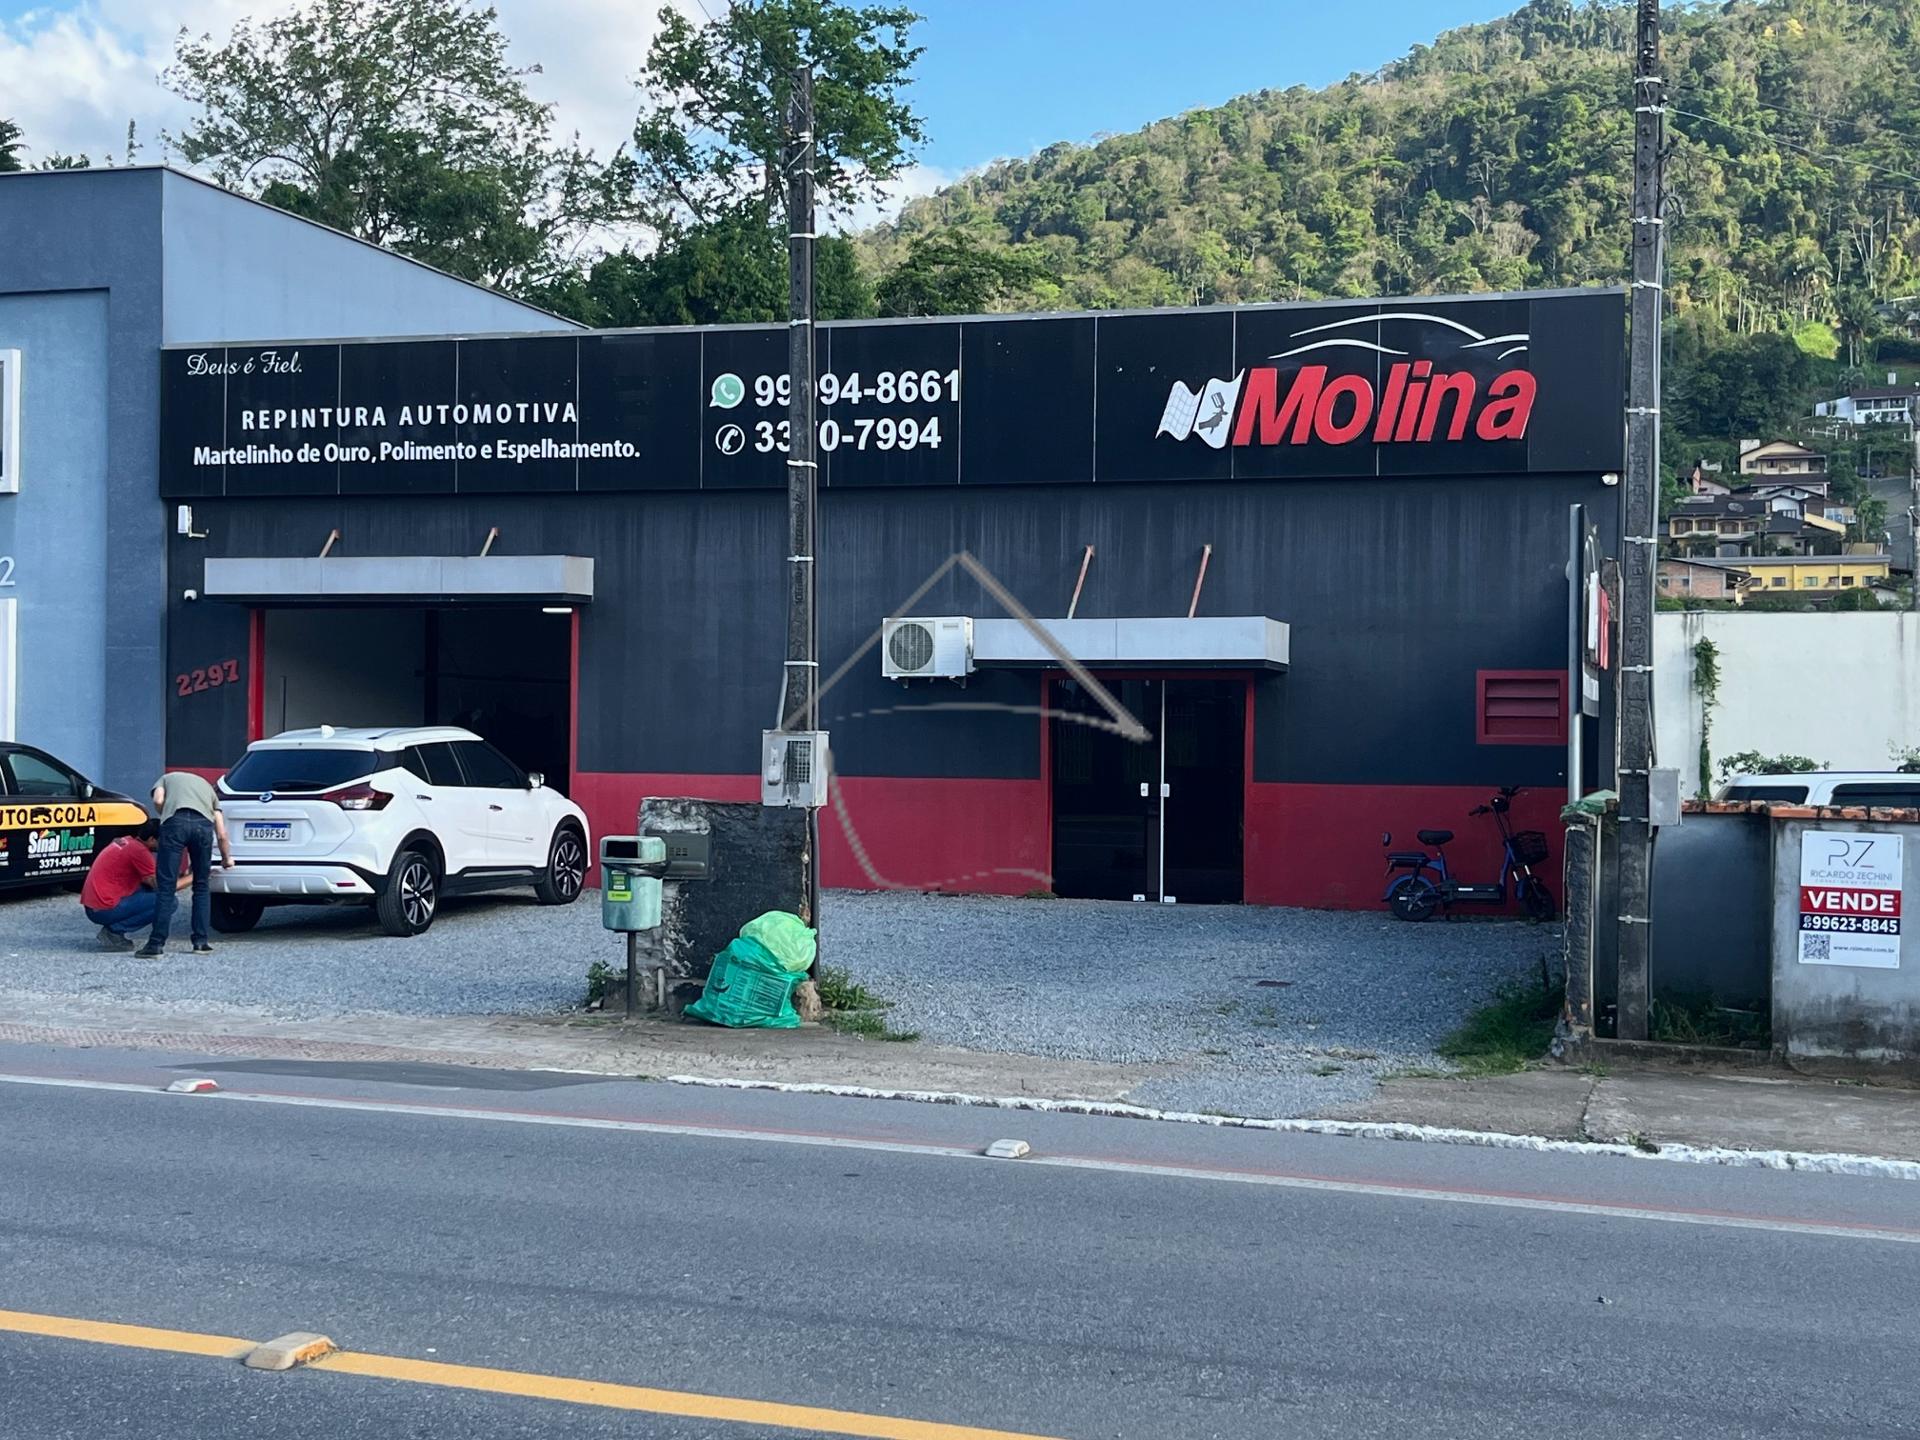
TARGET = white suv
(390,818)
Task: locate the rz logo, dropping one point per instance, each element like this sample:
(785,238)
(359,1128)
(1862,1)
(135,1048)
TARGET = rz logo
(1850,854)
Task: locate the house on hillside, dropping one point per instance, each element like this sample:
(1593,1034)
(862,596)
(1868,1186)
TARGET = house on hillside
(1773,459)
(1722,524)
(1701,580)
(1814,575)
(1795,519)
(1889,404)
(1705,479)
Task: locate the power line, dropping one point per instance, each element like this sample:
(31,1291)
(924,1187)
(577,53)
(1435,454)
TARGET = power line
(1829,157)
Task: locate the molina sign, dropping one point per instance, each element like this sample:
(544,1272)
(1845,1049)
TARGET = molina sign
(1850,899)
(1508,385)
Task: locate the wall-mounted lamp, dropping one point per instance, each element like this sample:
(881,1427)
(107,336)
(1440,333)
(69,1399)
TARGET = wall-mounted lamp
(1610,478)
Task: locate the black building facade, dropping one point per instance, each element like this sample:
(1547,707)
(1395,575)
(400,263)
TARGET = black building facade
(1390,480)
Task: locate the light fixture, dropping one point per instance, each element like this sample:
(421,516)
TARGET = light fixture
(1610,478)
(556,609)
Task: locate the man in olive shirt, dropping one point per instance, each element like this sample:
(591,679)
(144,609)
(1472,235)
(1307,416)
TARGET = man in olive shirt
(190,821)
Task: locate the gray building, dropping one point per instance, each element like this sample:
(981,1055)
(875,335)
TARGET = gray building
(98,270)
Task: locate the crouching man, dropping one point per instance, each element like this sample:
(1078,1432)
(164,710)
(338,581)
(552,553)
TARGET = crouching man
(119,896)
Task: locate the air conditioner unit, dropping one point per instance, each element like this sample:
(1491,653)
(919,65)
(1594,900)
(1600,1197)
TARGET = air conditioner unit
(936,649)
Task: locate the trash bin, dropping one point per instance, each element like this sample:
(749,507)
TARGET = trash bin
(630,885)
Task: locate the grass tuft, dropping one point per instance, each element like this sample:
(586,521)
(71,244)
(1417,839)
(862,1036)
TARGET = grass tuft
(1506,1035)
(867,1024)
(840,991)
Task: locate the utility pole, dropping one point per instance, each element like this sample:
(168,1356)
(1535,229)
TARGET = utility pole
(1639,503)
(799,707)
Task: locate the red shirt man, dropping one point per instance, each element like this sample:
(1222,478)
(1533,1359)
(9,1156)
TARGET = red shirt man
(118,895)
(118,871)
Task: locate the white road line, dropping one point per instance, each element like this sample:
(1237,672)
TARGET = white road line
(1041,1160)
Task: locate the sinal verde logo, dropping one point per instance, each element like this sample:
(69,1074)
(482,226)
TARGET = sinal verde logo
(728,391)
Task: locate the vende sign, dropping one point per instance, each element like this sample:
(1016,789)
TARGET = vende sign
(1850,899)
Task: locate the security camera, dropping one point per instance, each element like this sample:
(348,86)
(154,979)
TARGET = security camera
(1610,478)
(190,595)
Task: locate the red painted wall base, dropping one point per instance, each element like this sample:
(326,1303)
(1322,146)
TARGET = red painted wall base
(974,836)
(1314,846)
(1318,846)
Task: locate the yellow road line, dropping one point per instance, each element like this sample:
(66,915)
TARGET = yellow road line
(519,1382)
(138,1337)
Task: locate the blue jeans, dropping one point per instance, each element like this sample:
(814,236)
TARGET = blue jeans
(191,832)
(131,914)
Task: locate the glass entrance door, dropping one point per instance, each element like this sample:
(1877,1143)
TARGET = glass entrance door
(1153,819)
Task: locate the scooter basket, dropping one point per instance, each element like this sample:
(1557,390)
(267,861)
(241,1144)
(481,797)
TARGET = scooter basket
(1529,847)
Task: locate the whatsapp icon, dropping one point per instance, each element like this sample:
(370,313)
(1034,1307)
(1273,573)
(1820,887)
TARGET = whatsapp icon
(728,390)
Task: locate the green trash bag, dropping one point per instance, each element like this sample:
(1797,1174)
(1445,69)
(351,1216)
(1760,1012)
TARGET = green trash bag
(786,937)
(748,989)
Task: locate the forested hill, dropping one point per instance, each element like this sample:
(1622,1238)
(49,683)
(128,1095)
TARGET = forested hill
(1496,158)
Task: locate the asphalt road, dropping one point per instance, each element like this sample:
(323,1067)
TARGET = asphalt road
(1130,1279)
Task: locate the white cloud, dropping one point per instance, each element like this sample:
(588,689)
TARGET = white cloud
(909,184)
(72,76)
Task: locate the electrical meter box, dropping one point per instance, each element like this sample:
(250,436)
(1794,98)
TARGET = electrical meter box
(793,768)
(631,867)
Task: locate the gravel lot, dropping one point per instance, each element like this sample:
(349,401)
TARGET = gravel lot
(1266,1011)
(1262,1011)
(485,955)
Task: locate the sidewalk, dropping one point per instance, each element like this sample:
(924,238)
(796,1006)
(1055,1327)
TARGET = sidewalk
(1661,1106)
(604,1045)
(1654,1104)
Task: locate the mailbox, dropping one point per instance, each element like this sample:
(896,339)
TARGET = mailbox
(631,867)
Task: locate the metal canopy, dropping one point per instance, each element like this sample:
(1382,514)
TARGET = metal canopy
(1233,642)
(401,579)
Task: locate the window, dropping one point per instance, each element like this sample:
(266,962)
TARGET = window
(486,768)
(37,775)
(1783,794)
(1521,707)
(1810,582)
(1846,580)
(1686,582)
(303,768)
(1889,794)
(1779,581)
(433,763)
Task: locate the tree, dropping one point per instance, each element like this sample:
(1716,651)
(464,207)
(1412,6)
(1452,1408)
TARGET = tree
(9,146)
(951,273)
(401,122)
(730,272)
(713,137)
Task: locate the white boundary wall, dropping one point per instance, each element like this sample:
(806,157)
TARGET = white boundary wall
(1841,689)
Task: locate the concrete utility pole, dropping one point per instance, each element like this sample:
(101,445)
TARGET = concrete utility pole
(799,708)
(1639,504)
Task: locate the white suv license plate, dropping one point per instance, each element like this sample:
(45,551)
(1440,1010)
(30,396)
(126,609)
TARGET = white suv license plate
(266,830)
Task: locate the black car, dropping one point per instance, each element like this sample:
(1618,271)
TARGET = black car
(53,820)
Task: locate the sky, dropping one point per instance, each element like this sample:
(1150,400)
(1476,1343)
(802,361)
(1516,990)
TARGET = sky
(1000,78)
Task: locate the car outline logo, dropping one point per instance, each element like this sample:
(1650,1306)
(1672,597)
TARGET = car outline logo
(265,796)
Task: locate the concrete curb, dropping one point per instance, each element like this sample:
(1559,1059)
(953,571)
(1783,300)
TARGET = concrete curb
(1807,1162)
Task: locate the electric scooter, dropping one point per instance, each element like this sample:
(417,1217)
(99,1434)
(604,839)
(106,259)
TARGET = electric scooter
(1428,885)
